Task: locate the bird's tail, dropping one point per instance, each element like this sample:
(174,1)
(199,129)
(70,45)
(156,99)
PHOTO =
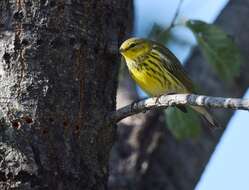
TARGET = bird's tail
(206,115)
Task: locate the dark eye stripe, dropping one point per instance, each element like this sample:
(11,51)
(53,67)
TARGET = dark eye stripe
(132,45)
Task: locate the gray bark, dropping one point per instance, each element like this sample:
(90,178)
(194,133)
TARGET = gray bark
(58,63)
(147,156)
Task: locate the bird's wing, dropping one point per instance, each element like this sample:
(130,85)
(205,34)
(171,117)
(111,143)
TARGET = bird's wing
(173,65)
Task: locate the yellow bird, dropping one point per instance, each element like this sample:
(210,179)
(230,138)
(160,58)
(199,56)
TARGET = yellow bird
(157,70)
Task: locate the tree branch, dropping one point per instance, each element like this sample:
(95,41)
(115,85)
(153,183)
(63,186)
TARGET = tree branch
(165,101)
(172,24)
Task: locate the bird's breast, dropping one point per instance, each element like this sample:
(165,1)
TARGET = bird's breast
(150,82)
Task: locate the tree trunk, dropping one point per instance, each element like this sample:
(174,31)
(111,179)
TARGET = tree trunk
(148,157)
(58,67)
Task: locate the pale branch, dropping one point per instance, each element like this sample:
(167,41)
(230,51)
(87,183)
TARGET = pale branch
(165,101)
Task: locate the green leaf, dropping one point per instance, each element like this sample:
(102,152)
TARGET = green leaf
(183,125)
(160,34)
(218,48)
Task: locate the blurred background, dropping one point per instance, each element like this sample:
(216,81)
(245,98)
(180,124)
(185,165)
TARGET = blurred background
(138,159)
(228,167)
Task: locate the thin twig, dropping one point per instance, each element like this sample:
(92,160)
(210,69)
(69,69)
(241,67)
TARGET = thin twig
(172,23)
(165,101)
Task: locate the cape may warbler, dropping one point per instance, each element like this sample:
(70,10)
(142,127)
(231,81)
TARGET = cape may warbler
(157,71)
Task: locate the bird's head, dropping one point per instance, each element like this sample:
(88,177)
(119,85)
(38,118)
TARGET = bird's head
(135,47)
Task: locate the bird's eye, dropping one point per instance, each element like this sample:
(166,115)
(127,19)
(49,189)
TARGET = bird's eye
(132,45)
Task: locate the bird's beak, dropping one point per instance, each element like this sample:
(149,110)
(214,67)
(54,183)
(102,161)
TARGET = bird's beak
(121,50)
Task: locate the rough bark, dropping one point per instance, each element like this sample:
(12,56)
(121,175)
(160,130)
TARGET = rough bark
(156,159)
(59,68)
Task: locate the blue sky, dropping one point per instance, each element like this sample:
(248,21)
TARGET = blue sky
(228,167)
